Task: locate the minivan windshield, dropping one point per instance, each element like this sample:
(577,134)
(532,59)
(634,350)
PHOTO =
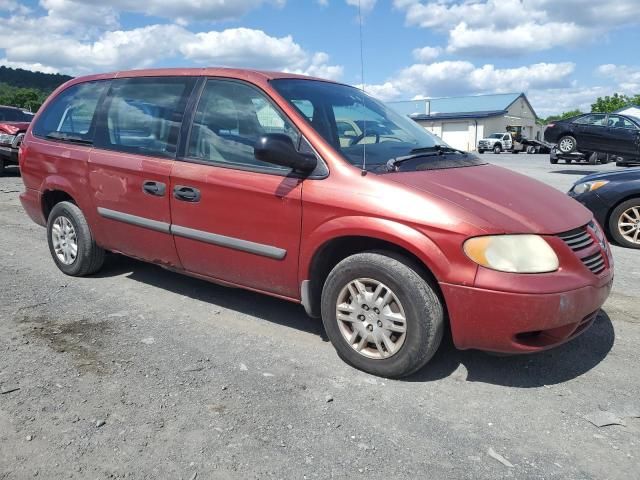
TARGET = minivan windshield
(365,130)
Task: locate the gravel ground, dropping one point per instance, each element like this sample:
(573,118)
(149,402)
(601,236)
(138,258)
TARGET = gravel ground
(141,373)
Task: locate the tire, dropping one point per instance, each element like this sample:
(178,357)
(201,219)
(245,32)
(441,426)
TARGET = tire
(553,160)
(568,160)
(531,149)
(515,152)
(480,152)
(567,144)
(89,256)
(497,149)
(593,159)
(604,159)
(622,164)
(632,210)
(416,298)
(2,165)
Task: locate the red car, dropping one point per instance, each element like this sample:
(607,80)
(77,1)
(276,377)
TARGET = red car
(13,125)
(243,178)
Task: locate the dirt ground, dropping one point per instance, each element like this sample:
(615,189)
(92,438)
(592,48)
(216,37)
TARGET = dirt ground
(146,374)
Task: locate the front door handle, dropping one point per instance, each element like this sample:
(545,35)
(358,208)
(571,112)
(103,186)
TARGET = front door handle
(154,188)
(186,194)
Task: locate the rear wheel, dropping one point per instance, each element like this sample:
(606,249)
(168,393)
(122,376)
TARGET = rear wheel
(567,144)
(624,223)
(381,316)
(71,243)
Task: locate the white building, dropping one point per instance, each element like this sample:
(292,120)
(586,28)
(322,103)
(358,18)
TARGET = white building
(629,110)
(462,121)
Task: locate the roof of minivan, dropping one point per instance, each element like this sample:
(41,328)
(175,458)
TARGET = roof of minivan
(240,73)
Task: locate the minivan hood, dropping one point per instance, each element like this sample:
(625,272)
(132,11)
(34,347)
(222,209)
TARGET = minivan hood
(507,201)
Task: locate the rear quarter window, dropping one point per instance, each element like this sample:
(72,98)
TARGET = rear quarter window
(70,114)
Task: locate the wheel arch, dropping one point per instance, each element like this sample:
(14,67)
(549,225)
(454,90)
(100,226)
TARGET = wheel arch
(50,198)
(629,196)
(328,250)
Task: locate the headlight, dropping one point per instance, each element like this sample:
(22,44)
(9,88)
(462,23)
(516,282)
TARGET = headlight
(588,186)
(512,253)
(6,138)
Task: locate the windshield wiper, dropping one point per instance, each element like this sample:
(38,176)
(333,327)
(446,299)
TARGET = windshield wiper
(68,138)
(436,150)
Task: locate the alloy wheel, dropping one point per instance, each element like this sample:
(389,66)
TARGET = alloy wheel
(629,224)
(65,241)
(566,145)
(371,318)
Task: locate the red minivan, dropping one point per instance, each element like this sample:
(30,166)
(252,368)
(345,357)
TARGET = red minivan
(316,193)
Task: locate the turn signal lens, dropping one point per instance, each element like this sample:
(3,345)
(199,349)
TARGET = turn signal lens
(512,253)
(589,186)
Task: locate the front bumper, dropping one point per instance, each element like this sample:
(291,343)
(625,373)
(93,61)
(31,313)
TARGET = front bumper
(596,204)
(518,322)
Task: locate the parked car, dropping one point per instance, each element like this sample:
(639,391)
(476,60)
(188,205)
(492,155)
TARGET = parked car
(240,177)
(13,125)
(614,199)
(596,132)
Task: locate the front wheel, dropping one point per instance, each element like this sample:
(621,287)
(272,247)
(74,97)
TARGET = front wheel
(624,223)
(71,243)
(381,316)
(497,149)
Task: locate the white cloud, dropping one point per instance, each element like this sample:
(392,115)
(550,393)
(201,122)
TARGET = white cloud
(518,26)
(211,10)
(366,6)
(462,77)
(243,46)
(517,40)
(27,44)
(557,100)
(426,54)
(627,77)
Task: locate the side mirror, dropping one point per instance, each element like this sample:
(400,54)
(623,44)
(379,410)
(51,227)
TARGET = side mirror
(278,148)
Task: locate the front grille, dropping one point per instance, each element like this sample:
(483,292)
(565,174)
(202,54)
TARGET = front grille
(581,239)
(578,239)
(595,262)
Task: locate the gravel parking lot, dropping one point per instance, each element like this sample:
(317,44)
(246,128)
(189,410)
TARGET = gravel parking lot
(142,373)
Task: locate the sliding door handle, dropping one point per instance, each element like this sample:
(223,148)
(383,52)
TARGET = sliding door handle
(154,188)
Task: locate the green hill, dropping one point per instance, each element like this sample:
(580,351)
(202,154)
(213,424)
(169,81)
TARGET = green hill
(45,82)
(26,89)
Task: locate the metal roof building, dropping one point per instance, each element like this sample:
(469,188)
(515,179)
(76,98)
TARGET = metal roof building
(630,110)
(462,121)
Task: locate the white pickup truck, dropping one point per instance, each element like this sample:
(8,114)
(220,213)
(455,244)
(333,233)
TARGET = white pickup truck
(499,142)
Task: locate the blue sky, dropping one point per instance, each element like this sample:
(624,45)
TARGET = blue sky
(562,54)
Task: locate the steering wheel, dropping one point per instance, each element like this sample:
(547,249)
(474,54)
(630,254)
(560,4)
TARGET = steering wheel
(362,136)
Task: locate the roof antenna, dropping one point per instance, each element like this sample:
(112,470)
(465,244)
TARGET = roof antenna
(364,122)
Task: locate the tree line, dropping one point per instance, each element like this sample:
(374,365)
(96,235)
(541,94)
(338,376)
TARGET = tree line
(27,89)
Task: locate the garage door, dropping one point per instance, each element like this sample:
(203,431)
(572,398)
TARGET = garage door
(456,135)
